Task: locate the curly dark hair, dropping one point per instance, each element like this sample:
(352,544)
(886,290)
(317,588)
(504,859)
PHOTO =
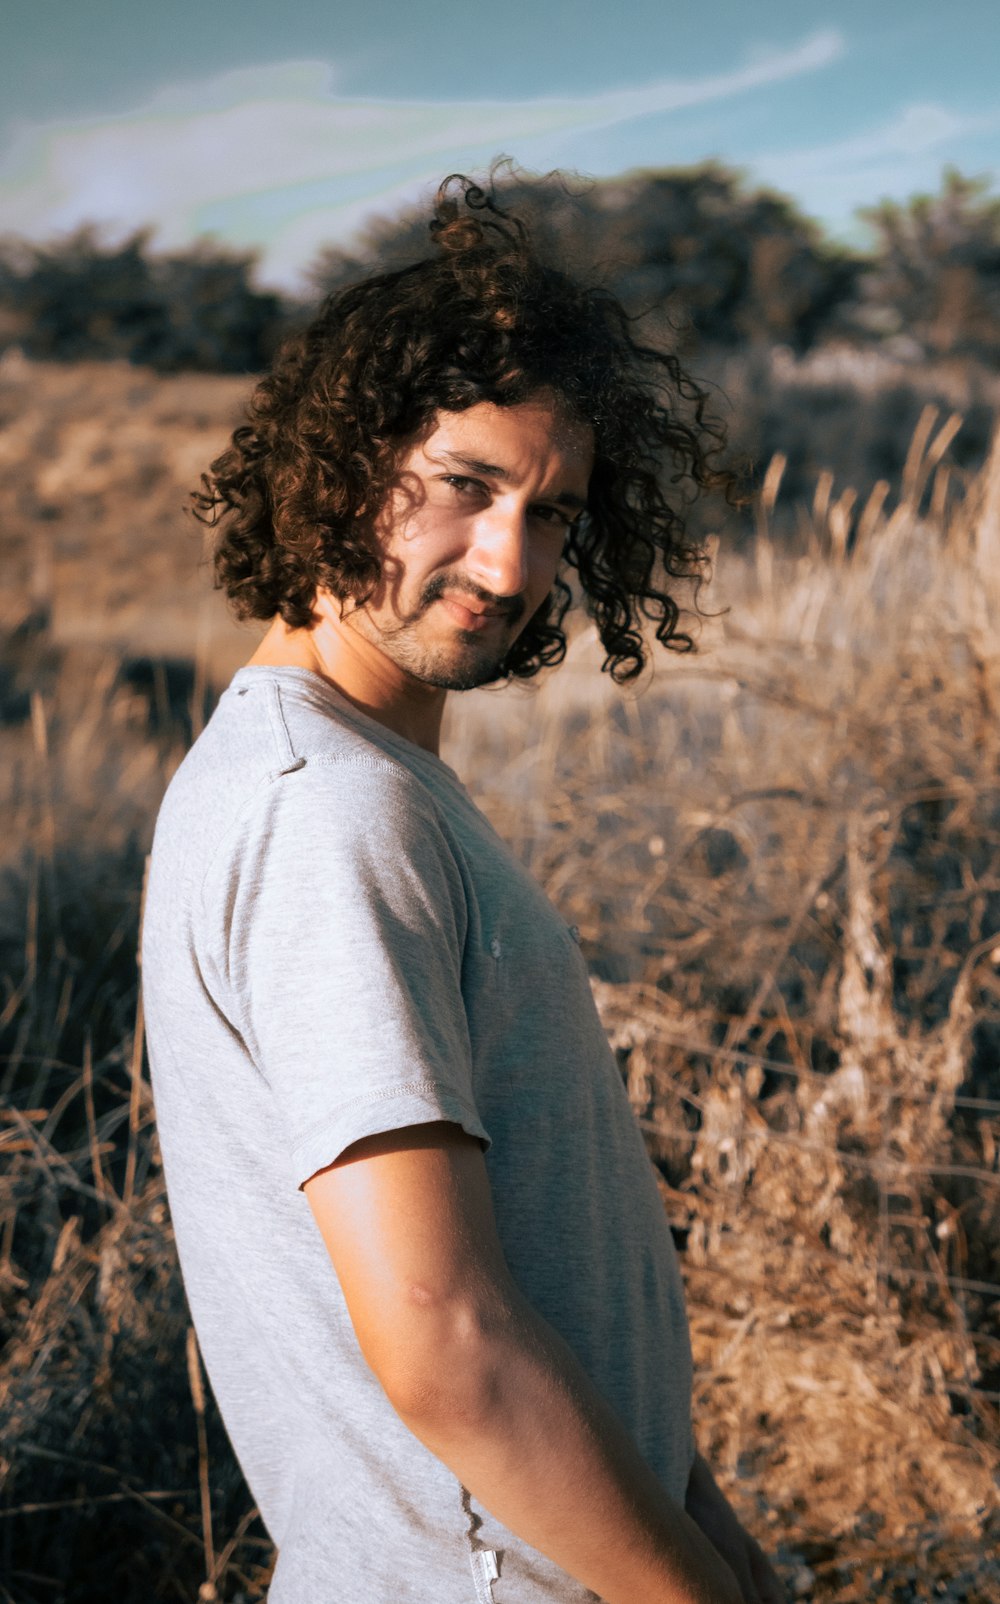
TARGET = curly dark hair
(482,319)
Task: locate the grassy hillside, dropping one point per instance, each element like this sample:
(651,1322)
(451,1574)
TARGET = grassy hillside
(783,855)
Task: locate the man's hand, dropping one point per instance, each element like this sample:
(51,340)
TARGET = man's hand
(710,1509)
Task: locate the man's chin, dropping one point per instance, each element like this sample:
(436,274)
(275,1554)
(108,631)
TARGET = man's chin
(466,678)
(461,662)
(459,671)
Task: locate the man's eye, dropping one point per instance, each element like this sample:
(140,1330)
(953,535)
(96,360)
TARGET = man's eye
(553,515)
(463,484)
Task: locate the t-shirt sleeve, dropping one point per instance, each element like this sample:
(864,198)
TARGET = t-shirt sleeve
(333,928)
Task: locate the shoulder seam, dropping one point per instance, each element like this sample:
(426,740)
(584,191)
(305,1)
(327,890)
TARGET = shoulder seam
(287,757)
(290,760)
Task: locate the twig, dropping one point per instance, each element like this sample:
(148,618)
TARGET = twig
(109,1470)
(136,1070)
(208,1590)
(79,1503)
(96,1167)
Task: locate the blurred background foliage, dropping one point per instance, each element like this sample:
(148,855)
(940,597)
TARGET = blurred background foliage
(826,354)
(722,265)
(83,299)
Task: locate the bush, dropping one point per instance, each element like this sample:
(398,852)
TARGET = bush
(935,277)
(722,265)
(81,298)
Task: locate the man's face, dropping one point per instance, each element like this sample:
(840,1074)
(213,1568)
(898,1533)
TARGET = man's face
(471,536)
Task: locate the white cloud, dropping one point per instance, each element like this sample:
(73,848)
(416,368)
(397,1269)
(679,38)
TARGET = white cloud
(912,133)
(820,50)
(270,155)
(895,158)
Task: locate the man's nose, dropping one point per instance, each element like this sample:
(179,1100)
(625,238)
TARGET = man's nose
(498,556)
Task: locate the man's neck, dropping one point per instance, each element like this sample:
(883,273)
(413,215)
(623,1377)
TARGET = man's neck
(357,669)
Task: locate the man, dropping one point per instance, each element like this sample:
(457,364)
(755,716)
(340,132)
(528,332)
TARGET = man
(372,1038)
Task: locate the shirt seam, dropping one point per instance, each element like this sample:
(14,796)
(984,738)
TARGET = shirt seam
(279,729)
(305,695)
(387,1095)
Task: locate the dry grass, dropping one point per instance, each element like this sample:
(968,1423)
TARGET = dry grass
(784,859)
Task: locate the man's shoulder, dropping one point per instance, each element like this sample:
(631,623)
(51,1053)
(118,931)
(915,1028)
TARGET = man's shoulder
(281,767)
(274,718)
(271,723)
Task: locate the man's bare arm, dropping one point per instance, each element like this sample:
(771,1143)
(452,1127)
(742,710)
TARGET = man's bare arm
(489,1386)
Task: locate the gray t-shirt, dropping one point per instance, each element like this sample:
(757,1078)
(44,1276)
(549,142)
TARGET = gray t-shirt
(337,943)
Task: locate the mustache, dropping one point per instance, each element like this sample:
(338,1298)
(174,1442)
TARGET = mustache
(510,607)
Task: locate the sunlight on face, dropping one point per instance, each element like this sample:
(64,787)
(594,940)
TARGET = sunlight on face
(471,537)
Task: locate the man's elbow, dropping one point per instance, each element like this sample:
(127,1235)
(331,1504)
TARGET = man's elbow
(441,1363)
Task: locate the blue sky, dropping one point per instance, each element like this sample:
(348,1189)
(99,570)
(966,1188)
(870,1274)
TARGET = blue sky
(282,129)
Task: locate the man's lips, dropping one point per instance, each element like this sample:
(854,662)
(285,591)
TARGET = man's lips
(470,614)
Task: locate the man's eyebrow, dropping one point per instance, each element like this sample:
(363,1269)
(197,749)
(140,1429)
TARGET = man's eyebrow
(491,470)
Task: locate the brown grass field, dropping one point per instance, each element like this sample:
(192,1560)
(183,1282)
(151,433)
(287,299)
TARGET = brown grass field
(783,854)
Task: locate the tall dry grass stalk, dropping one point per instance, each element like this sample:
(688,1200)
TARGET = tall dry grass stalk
(784,859)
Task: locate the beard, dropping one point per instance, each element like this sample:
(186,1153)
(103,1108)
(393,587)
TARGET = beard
(461,666)
(465,661)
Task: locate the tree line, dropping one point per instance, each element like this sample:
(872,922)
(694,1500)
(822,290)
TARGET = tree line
(715,264)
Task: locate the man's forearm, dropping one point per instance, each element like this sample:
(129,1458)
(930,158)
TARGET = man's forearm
(524,1429)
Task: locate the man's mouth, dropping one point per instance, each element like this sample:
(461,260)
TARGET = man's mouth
(470,614)
(472,610)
